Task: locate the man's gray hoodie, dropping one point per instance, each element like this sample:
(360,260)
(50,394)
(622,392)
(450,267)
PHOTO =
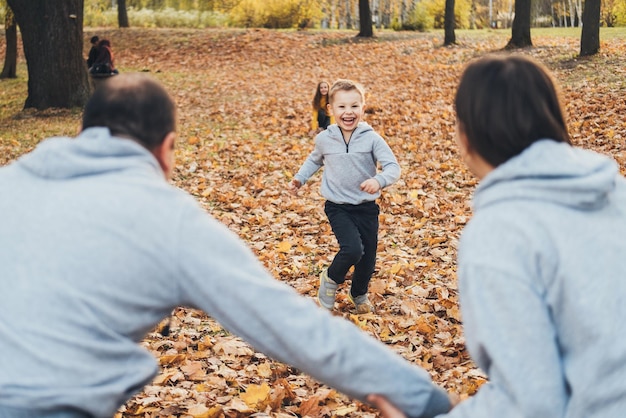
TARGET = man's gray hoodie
(97,248)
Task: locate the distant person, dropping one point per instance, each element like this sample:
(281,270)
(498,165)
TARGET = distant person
(321,116)
(93,52)
(98,248)
(105,62)
(350,152)
(541,264)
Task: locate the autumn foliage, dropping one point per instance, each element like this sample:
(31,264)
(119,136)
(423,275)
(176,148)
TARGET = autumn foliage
(244,113)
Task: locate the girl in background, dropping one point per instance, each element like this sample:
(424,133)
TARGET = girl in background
(321,117)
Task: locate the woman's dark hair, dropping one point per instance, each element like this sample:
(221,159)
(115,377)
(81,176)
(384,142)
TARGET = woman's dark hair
(94,39)
(132,105)
(506,103)
(317,99)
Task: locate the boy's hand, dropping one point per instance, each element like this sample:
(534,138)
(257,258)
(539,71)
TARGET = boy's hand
(370,186)
(294,185)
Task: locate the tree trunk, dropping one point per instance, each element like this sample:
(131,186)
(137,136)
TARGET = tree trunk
(520,32)
(448,24)
(52,34)
(122,14)
(10,55)
(590,37)
(365,20)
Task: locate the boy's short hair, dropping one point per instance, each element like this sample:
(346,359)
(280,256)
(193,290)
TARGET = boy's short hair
(345,85)
(505,103)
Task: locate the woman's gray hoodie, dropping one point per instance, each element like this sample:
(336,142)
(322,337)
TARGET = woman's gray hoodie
(542,280)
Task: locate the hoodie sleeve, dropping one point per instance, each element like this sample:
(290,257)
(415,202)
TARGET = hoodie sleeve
(507,322)
(221,276)
(390,168)
(314,162)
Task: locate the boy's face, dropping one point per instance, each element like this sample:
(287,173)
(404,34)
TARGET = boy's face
(347,108)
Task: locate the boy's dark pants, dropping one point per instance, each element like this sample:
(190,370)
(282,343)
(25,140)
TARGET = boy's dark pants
(356,230)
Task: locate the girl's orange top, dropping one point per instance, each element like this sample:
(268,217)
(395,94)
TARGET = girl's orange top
(320,108)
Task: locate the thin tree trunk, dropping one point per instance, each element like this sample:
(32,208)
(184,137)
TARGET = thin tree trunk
(448,24)
(10,55)
(122,14)
(365,20)
(590,37)
(520,33)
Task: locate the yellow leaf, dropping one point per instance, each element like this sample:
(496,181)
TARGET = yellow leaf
(284,247)
(264,370)
(256,395)
(198,411)
(396,268)
(171,359)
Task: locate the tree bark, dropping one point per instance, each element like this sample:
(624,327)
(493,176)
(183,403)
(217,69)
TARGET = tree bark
(10,55)
(52,35)
(590,36)
(520,31)
(122,14)
(448,24)
(365,20)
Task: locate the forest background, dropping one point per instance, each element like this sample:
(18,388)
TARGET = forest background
(418,15)
(244,114)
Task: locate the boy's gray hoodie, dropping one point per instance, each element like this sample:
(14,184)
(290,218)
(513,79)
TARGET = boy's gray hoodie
(97,248)
(542,280)
(347,165)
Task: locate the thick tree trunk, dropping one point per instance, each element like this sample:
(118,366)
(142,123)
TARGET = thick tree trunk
(520,31)
(10,56)
(122,14)
(52,34)
(590,36)
(448,24)
(365,19)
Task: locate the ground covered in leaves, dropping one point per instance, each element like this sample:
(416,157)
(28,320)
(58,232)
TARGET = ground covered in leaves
(244,99)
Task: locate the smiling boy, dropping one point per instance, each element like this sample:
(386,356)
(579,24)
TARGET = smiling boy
(350,152)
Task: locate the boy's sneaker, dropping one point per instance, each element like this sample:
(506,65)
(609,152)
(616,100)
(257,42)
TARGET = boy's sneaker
(362,304)
(327,290)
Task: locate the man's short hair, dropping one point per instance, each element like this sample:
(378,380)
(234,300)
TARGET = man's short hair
(132,105)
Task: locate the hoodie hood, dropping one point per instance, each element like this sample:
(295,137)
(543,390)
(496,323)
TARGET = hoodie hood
(93,152)
(552,172)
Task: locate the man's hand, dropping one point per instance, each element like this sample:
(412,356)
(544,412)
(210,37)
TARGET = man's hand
(387,409)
